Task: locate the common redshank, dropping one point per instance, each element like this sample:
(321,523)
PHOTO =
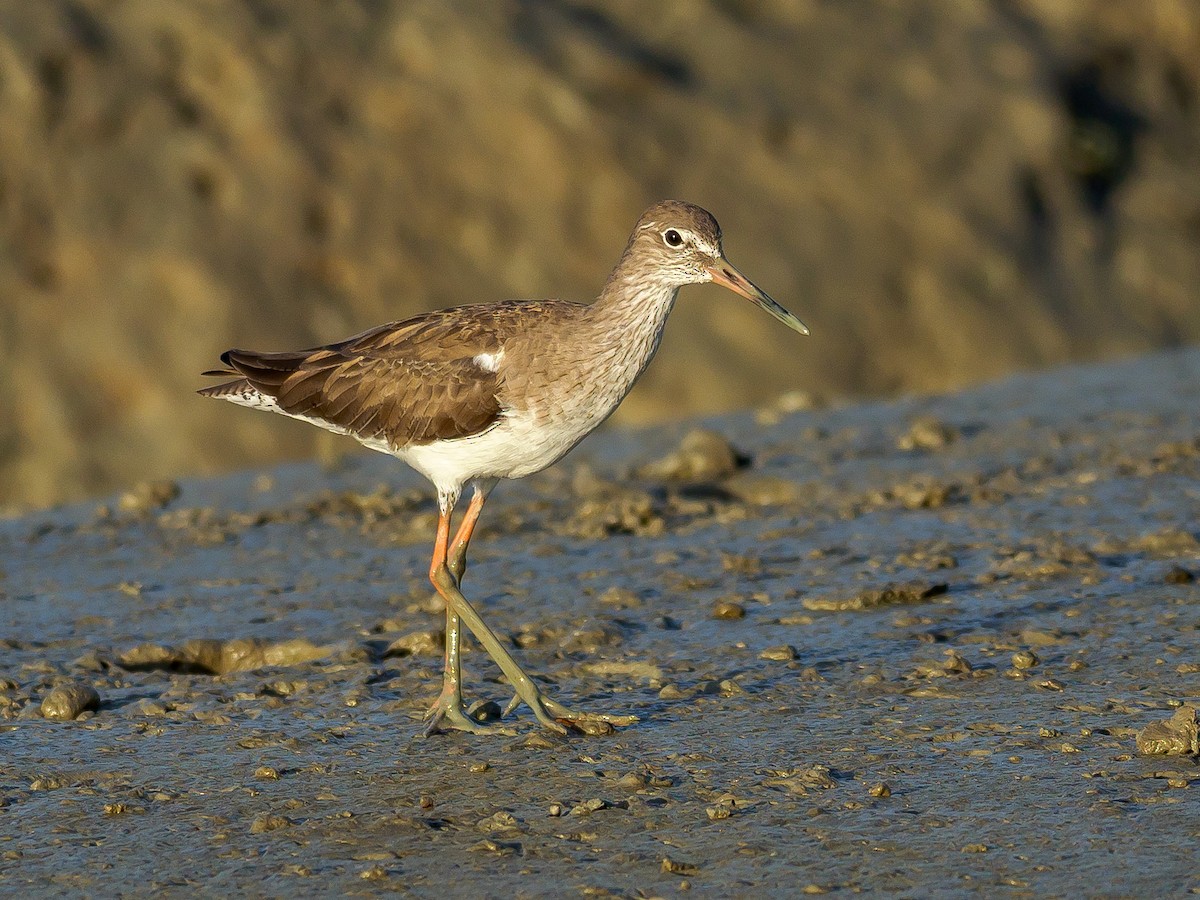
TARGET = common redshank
(474,394)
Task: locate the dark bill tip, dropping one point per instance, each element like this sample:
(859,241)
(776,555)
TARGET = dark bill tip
(728,277)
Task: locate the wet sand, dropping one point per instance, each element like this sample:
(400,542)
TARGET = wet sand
(900,647)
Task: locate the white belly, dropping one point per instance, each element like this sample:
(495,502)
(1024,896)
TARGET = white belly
(512,448)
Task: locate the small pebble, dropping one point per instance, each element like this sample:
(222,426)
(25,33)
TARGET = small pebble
(263,824)
(927,433)
(267,773)
(882,789)
(485,711)
(66,701)
(1024,659)
(675,867)
(1179,575)
(782,653)
(728,610)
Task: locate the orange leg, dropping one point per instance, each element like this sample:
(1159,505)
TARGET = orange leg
(456,554)
(448,710)
(445,571)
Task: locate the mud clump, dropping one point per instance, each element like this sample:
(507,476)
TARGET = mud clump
(429,642)
(266,823)
(1179,575)
(1176,736)
(618,512)
(703,455)
(927,433)
(213,657)
(1025,659)
(67,701)
(891,595)
(148,496)
(728,610)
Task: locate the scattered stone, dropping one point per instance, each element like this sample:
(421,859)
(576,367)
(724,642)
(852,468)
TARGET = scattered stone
(801,781)
(930,560)
(1179,575)
(759,489)
(263,824)
(499,848)
(624,669)
(1025,659)
(1038,638)
(537,740)
(485,711)
(591,635)
(428,642)
(66,701)
(882,789)
(703,455)
(927,433)
(785,404)
(148,496)
(782,653)
(620,598)
(675,867)
(728,610)
(212,657)
(729,688)
(145,708)
(623,511)
(587,807)
(267,773)
(957,664)
(1168,542)
(92,661)
(891,595)
(1176,736)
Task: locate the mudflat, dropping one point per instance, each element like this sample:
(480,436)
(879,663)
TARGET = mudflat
(903,646)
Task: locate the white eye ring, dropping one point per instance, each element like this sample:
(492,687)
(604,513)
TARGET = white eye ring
(672,238)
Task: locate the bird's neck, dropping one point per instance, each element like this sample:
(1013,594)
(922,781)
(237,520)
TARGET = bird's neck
(627,322)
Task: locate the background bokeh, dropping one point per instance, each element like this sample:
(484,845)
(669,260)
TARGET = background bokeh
(945,191)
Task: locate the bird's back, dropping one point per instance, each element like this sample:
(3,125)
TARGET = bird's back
(434,377)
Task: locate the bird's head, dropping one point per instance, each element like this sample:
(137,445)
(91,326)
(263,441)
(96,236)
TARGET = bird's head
(681,244)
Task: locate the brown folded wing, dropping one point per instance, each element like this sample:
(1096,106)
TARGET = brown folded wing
(408,383)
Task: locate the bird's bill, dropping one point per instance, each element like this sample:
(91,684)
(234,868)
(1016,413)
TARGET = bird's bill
(728,277)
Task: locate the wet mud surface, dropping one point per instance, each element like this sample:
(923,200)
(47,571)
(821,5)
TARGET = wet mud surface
(902,647)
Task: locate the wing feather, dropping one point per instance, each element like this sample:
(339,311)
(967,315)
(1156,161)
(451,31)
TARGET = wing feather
(411,382)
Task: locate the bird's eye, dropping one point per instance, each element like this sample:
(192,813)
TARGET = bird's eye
(672,237)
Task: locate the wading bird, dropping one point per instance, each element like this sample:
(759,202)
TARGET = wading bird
(470,395)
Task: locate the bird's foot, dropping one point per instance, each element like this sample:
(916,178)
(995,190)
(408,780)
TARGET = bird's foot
(559,718)
(449,714)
